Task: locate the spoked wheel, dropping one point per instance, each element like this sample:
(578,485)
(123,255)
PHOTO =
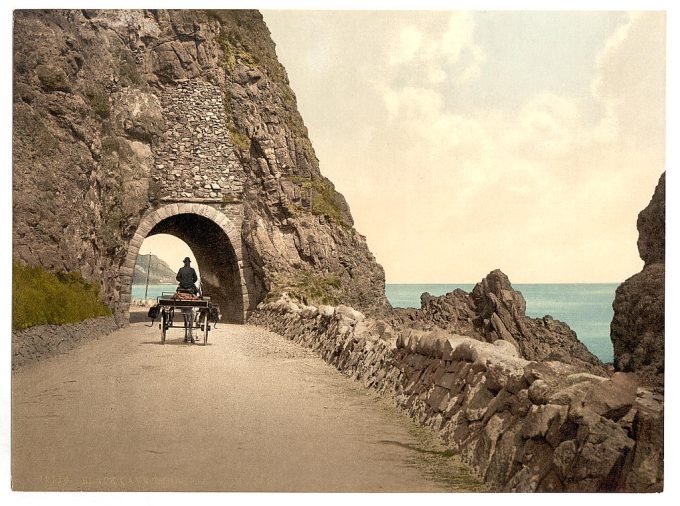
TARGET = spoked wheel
(205,328)
(164,320)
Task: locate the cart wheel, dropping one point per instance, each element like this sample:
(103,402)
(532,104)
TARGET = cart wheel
(205,328)
(164,318)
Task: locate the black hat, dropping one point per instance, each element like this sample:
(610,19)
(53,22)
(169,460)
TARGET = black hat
(187,260)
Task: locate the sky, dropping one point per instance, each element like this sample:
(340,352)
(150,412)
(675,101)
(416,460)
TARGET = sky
(170,249)
(468,141)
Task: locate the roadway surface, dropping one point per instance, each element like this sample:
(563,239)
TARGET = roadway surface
(249,412)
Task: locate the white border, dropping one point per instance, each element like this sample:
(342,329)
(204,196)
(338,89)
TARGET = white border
(671,470)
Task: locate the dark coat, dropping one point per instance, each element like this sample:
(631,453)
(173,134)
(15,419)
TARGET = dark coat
(186,277)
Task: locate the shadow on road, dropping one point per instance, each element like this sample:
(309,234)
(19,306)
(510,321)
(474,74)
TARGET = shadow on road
(444,453)
(176,342)
(139,316)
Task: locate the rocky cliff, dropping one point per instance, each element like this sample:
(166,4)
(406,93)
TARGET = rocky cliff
(117,113)
(495,311)
(638,330)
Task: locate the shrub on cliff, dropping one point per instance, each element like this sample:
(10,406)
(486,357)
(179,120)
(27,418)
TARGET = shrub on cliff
(40,298)
(325,199)
(307,287)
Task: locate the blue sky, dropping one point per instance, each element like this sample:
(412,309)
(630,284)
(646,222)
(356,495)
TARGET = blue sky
(534,52)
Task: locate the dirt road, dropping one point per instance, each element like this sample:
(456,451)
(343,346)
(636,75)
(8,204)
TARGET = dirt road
(249,412)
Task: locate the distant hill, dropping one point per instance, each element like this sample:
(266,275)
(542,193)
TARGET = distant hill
(160,272)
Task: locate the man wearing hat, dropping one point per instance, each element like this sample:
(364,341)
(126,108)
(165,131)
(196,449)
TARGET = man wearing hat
(187,278)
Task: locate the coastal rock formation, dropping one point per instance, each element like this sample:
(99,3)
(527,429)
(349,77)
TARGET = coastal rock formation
(119,113)
(651,226)
(495,311)
(637,330)
(524,425)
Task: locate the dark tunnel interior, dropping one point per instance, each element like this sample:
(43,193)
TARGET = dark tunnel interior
(216,257)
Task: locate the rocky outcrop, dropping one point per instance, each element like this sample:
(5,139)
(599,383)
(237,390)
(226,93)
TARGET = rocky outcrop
(651,226)
(637,329)
(495,311)
(117,113)
(523,425)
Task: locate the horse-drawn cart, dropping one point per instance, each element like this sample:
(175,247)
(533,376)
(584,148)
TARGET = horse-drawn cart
(197,313)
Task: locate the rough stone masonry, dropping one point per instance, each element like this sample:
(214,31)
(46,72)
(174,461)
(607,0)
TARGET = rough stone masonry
(196,158)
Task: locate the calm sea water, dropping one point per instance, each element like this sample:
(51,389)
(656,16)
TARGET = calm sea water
(153,291)
(586,308)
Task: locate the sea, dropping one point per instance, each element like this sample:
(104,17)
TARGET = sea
(586,308)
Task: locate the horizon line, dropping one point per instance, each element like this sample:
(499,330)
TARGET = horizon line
(516,283)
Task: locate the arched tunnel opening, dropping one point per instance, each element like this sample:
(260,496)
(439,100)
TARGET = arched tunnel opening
(214,253)
(158,260)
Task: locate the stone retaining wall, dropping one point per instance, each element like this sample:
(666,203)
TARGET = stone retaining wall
(523,425)
(43,341)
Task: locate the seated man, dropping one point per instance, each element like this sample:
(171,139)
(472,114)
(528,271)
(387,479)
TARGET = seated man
(187,278)
(187,284)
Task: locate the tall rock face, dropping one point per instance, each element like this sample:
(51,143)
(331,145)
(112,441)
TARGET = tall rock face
(637,329)
(117,113)
(651,226)
(494,311)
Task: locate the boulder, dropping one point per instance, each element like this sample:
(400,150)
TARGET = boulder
(646,462)
(612,398)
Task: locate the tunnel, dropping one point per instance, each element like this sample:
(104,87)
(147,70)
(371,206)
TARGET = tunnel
(216,257)
(214,235)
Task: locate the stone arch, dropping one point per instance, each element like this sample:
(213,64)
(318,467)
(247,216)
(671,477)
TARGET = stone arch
(221,261)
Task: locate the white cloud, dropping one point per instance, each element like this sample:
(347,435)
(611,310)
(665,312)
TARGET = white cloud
(458,36)
(631,79)
(439,51)
(410,39)
(545,177)
(548,190)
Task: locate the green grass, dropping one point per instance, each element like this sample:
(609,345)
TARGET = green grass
(307,287)
(98,99)
(242,36)
(293,209)
(127,70)
(324,198)
(41,298)
(239,139)
(234,44)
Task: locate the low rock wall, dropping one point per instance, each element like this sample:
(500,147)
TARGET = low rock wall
(43,341)
(522,425)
